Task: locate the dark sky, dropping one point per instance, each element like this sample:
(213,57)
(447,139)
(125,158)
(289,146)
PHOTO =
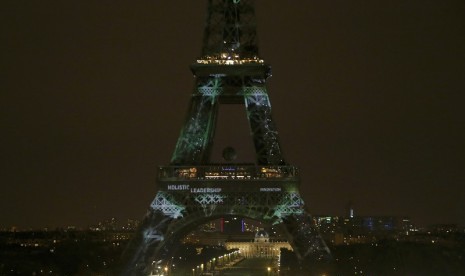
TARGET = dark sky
(368,97)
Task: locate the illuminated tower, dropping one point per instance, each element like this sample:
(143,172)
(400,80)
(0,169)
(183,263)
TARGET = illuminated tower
(192,190)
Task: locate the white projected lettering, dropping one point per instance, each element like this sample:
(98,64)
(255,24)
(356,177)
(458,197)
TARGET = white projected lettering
(205,190)
(185,187)
(178,187)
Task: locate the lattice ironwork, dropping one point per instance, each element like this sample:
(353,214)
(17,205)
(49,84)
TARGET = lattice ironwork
(191,190)
(179,208)
(165,203)
(196,137)
(265,135)
(231,28)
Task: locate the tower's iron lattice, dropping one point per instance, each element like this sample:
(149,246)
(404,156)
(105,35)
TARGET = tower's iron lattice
(192,190)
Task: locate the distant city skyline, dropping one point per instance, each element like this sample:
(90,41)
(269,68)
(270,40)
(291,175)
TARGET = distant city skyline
(131,223)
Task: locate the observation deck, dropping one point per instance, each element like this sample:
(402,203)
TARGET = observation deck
(228,178)
(227,173)
(231,64)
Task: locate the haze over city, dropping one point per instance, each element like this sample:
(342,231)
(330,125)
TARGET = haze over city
(367,97)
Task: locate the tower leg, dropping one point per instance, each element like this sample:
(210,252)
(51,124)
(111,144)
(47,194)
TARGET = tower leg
(265,135)
(194,142)
(152,243)
(305,238)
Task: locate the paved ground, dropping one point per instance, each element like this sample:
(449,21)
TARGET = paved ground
(252,267)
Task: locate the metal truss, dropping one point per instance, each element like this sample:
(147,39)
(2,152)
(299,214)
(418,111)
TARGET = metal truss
(209,202)
(165,203)
(230,28)
(173,214)
(191,190)
(230,35)
(195,140)
(265,135)
(289,205)
(194,143)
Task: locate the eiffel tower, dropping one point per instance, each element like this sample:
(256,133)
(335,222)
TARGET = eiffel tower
(191,189)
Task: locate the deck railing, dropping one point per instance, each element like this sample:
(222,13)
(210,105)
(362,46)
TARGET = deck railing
(227,172)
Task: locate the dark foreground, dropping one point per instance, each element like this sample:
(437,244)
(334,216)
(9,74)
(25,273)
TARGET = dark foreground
(58,253)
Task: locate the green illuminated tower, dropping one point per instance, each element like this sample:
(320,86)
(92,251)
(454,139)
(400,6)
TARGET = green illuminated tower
(192,190)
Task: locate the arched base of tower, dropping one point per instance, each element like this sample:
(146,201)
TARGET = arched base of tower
(173,214)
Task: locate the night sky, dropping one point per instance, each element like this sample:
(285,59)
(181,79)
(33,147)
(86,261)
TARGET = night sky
(368,98)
